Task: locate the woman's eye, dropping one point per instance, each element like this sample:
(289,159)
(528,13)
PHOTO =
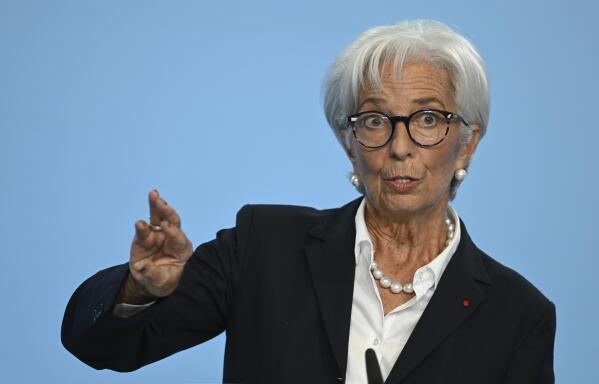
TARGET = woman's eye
(428,120)
(374,122)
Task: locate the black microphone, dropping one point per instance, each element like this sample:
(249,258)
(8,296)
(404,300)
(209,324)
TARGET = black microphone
(373,370)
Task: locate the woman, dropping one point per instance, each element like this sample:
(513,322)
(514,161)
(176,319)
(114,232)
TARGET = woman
(303,293)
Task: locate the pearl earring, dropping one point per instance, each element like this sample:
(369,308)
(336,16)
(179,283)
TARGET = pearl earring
(354,180)
(460,174)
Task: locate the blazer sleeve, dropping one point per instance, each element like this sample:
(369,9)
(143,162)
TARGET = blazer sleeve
(532,362)
(195,312)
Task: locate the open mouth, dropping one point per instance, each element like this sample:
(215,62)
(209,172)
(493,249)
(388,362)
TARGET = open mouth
(402,184)
(402,179)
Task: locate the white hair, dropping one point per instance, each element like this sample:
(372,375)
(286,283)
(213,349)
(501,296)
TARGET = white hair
(425,40)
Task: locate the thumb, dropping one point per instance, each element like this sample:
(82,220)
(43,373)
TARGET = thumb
(142,269)
(140,265)
(149,275)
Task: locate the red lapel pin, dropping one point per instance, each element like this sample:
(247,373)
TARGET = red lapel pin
(466,303)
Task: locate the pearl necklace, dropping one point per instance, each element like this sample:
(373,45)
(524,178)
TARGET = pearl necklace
(396,286)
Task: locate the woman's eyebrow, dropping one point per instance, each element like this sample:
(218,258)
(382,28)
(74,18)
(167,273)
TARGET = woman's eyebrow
(373,100)
(428,100)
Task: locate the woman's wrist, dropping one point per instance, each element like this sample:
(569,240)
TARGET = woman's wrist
(133,292)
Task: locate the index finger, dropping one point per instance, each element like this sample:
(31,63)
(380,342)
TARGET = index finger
(153,197)
(160,210)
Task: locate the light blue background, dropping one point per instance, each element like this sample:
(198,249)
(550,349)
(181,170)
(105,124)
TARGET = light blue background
(218,104)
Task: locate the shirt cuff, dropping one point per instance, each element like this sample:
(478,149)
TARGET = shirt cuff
(127,310)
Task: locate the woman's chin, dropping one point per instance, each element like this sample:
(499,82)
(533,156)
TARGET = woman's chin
(398,203)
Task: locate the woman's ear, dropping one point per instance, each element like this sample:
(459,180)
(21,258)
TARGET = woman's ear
(347,145)
(469,148)
(350,155)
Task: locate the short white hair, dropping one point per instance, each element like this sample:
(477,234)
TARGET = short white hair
(425,40)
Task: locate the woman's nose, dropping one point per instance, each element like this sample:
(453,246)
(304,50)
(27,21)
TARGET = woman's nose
(401,145)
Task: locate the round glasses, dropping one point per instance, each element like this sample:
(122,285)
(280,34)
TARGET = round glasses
(426,128)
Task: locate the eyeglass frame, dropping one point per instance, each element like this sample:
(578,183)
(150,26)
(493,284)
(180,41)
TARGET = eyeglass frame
(351,119)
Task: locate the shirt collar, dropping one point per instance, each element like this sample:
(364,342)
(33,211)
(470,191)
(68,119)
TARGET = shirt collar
(364,245)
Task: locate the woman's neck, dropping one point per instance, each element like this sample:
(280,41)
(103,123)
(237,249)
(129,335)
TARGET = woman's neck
(409,239)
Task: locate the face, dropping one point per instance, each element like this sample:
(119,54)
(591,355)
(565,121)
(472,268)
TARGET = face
(402,177)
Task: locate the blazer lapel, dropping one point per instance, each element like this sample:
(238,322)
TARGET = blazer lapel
(447,309)
(331,261)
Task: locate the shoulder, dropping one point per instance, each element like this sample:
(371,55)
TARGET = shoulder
(511,301)
(523,310)
(277,212)
(513,308)
(514,301)
(498,280)
(278,217)
(512,284)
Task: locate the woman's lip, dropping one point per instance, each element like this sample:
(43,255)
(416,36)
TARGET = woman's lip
(402,187)
(402,177)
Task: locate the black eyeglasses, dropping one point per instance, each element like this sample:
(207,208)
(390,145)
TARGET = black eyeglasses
(426,128)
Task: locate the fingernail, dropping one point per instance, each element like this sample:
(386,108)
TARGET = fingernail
(165,223)
(138,266)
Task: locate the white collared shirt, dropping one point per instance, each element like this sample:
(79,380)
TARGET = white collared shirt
(370,327)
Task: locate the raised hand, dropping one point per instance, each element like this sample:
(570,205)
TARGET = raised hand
(159,252)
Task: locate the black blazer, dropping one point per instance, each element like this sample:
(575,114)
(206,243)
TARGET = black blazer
(280,284)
